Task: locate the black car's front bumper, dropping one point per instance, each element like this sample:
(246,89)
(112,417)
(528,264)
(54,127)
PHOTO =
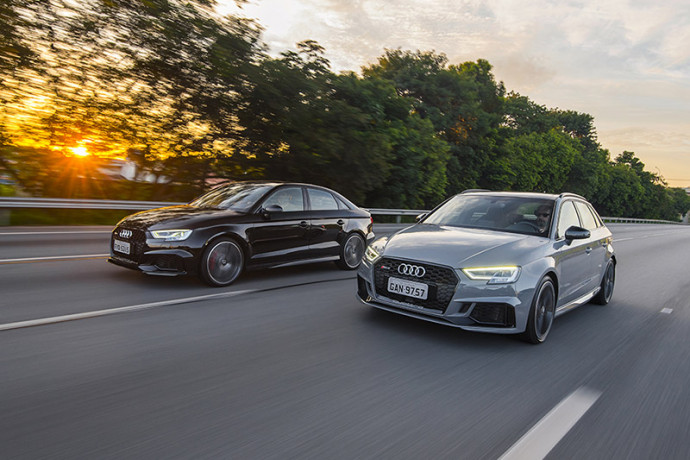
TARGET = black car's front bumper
(151,257)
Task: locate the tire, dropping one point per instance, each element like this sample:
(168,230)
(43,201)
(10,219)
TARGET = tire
(604,295)
(542,312)
(351,252)
(222,262)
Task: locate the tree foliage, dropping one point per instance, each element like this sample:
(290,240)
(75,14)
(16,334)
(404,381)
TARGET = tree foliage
(192,96)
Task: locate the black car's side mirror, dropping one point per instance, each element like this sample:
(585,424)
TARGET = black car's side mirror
(576,233)
(420,217)
(268,210)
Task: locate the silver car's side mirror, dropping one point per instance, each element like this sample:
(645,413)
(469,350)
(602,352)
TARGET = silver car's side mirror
(420,217)
(576,233)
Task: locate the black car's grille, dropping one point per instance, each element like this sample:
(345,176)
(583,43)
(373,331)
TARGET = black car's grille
(137,243)
(441,281)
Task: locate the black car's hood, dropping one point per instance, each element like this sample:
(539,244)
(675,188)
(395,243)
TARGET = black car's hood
(462,247)
(183,215)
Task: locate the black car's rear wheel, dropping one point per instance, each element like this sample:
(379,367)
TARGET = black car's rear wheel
(607,283)
(222,262)
(542,312)
(351,252)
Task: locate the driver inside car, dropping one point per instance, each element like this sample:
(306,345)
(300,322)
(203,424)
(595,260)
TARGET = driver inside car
(543,214)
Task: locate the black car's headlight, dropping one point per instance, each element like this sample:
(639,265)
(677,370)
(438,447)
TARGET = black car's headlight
(494,275)
(172,235)
(375,249)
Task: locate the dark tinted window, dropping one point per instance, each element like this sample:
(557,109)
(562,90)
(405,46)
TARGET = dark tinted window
(588,220)
(239,197)
(321,200)
(516,214)
(288,198)
(567,218)
(342,204)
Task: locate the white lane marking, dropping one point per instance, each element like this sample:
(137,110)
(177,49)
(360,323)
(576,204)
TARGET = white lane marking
(35,259)
(54,233)
(112,311)
(544,436)
(617,240)
(667,311)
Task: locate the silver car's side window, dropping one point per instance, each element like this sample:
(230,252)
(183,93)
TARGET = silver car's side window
(600,223)
(588,220)
(288,198)
(567,218)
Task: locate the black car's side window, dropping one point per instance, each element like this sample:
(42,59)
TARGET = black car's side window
(288,198)
(321,200)
(588,220)
(567,218)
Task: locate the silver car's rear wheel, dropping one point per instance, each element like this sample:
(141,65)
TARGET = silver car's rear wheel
(222,262)
(607,283)
(542,312)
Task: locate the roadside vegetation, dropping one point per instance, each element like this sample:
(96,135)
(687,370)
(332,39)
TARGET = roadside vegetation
(194,98)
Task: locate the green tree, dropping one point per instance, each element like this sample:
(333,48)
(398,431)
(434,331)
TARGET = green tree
(540,162)
(461,101)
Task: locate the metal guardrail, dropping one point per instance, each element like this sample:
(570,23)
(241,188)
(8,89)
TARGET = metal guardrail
(632,220)
(64,203)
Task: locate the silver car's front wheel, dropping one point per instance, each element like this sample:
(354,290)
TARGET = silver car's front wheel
(542,312)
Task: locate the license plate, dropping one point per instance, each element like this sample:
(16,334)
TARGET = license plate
(121,246)
(408,288)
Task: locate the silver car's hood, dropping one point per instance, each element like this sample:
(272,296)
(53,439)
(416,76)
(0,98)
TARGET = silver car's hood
(463,247)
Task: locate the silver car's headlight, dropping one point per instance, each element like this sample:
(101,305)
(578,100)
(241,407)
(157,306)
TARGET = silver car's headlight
(172,235)
(374,250)
(494,275)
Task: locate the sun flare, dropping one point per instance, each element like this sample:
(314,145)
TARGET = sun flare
(79,151)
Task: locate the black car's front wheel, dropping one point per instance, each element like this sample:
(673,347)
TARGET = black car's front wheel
(351,252)
(222,262)
(542,312)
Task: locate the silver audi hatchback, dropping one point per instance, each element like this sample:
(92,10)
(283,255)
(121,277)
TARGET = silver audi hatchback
(499,262)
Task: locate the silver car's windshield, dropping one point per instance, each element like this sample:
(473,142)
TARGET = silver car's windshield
(526,215)
(238,197)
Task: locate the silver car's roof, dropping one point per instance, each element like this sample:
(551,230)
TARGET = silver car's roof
(551,196)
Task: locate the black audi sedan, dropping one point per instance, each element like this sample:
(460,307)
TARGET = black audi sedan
(244,225)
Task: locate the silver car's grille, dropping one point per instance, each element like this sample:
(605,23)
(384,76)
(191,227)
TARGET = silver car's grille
(441,281)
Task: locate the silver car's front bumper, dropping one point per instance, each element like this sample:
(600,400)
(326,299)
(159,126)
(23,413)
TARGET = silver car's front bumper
(474,306)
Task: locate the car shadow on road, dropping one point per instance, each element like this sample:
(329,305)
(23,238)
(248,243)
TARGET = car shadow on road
(436,333)
(250,279)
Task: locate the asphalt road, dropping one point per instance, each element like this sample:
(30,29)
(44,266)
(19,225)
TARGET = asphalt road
(286,363)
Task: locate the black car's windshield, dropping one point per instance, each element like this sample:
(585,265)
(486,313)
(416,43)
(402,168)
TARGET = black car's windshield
(526,215)
(238,197)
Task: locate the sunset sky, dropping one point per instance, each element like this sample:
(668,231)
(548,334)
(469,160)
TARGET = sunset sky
(627,63)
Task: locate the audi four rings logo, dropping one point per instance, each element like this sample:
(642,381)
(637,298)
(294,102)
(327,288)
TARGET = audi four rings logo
(412,270)
(125,233)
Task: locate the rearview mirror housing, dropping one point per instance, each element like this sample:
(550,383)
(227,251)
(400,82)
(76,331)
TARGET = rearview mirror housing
(272,209)
(576,233)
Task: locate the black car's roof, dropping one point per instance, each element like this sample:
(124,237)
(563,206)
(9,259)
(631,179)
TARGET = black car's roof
(276,183)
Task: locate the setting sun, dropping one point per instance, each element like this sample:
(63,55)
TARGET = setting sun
(79,151)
